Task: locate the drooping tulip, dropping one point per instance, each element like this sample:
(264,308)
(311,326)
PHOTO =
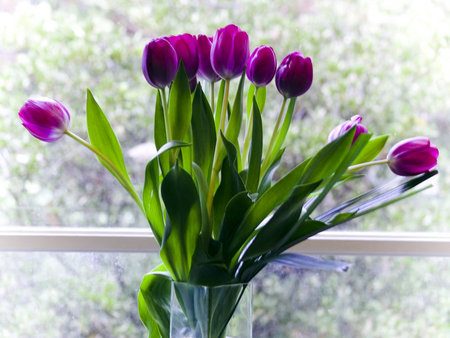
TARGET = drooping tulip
(45,118)
(262,66)
(412,156)
(294,75)
(186,47)
(205,70)
(159,63)
(343,127)
(229,52)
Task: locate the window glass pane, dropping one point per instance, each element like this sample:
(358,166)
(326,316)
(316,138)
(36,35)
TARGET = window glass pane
(94,295)
(386,60)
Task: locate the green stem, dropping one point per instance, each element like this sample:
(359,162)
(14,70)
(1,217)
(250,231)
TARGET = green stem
(366,164)
(268,156)
(211,86)
(248,136)
(217,152)
(122,179)
(166,114)
(172,155)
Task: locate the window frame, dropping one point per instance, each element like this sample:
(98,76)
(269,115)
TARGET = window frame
(359,243)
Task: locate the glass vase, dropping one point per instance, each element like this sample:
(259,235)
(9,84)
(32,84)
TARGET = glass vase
(211,312)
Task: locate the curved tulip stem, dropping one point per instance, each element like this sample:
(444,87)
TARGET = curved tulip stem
(248,134)
(121,178)
(217,151)
(268,156)
(367,164)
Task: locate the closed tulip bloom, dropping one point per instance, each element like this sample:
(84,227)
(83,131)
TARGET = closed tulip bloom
(343,127)
(229,52)
(45,118)
(205,70)
(159,63)
(412,156)
(262,66)
(186,47)
(294,75)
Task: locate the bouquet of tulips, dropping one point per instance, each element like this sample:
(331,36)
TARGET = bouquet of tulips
(209,194)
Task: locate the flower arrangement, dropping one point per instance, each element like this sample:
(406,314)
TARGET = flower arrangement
(209,195)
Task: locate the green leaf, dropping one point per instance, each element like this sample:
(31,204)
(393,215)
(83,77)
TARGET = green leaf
(180,108)
(234,213)
(154,302)
(300,231)
(230,185)
(203,132)
(266,181)
(387,197)
(183,222)
(372,149)
(255,151)
(102,138)
(150,196)
(208,267)
(202,186)
(280,223)
(327,160)
(159,133)
(265,204)
(235,122)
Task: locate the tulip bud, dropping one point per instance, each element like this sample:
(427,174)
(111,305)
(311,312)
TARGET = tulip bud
(229,52)
(343,127)
(159,63)
(45,118)
(294,75)
(205,69)
(262,66)
(186,47)
(412,156)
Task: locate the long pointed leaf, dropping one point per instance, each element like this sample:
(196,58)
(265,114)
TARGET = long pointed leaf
(180,108)
(102,137)
(150,195)
(255,151)
(203,132)
(230,185)
(183,222)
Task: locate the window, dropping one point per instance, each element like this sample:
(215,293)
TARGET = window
(387,61)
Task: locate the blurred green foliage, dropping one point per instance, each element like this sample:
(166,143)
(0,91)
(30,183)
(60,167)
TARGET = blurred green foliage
(384,60)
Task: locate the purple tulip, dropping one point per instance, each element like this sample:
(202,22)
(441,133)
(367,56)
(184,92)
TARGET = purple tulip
(262,66)
(294,75)
(412,156)
(186,48)
(45,118)
(159,63)
(343,127)
(205,70)
(229,52)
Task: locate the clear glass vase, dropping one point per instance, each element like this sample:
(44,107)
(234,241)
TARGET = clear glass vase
(211,312)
